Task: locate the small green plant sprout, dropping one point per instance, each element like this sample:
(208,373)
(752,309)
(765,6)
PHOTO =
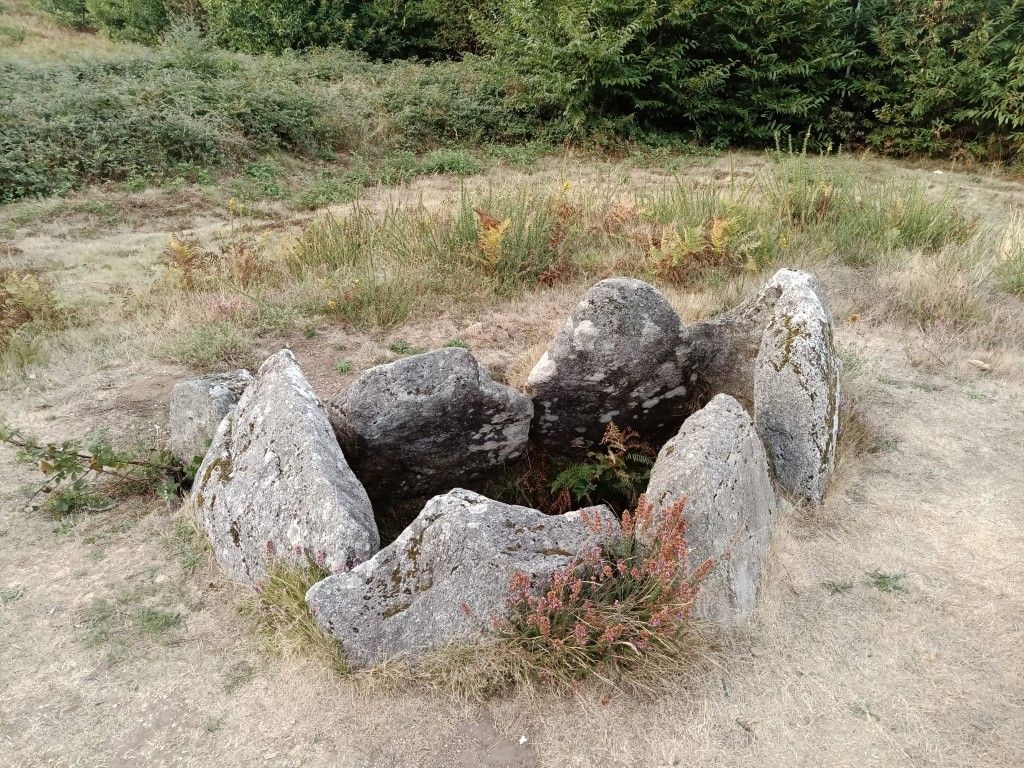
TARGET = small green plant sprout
(73,469)
(456,343)
(402,347)
(155,621)
(612,477)
(837,587)
(622,606)
(891,583)
(343,366)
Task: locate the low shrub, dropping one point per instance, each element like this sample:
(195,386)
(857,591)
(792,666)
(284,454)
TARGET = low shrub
(617,607)
(210,345)
(178,108)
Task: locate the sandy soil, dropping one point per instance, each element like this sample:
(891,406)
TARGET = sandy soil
(833,671)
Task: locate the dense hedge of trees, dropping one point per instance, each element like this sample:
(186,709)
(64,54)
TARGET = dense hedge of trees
(905,76)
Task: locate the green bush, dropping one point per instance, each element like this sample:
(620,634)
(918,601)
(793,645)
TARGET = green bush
(428,29)
(257,26)
(69,13)
(724,71)
(183,106)
(945,76)
(383,29)
(138,21)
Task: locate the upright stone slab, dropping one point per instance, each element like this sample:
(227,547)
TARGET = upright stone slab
(718,463)
(725,348)
(446,576)
(622,357)
(428,422)
(275,483)
(198,406)
(796,392)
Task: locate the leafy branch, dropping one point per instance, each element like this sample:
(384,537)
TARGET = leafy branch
(77,470)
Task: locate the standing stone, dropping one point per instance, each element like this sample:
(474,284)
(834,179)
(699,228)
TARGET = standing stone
(275,483)
(198,406)
(796,393)
(428,422)
(725,348)
(718,463)
(447,575)
(622,357)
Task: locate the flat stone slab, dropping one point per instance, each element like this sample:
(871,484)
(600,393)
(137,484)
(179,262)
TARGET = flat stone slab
(718,463)
(275,483)
(428,422)
(198,406)
(446,576)
(622,357)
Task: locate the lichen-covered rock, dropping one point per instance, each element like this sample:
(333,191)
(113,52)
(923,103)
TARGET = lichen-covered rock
(275,483)
(446,576)
(427,422)
(718,463)
(725,348)
(622,357)
(796,392)
(198,406)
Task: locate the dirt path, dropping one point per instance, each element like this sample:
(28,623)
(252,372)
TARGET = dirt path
(96,671)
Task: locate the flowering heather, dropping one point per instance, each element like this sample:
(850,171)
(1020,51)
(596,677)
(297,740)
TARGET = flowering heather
(616,606)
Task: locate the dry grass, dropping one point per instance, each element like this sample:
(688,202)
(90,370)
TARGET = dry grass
(283,622)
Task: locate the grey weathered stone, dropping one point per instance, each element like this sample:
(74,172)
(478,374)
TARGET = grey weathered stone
(428,422)
(197,408)
(622,356)
(724,349)
(718,463)
(275,483)
(796,392)
(446,576)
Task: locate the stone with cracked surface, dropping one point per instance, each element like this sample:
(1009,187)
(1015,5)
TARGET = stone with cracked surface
(275,483)
(623,357)
(796,392)
(718,463)
(427,422)
(725,348)
(198,406)
(446,576)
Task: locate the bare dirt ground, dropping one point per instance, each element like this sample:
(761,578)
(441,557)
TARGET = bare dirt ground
(888,634)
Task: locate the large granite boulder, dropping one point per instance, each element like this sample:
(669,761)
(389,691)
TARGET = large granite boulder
(622,357)
(446,576)
(275,483)
(796,392)
(725,348)
(428,422)
(198,406)
(718,463)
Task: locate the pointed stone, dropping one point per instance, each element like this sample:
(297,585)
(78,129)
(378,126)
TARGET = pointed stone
(725,348)
(275,483)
